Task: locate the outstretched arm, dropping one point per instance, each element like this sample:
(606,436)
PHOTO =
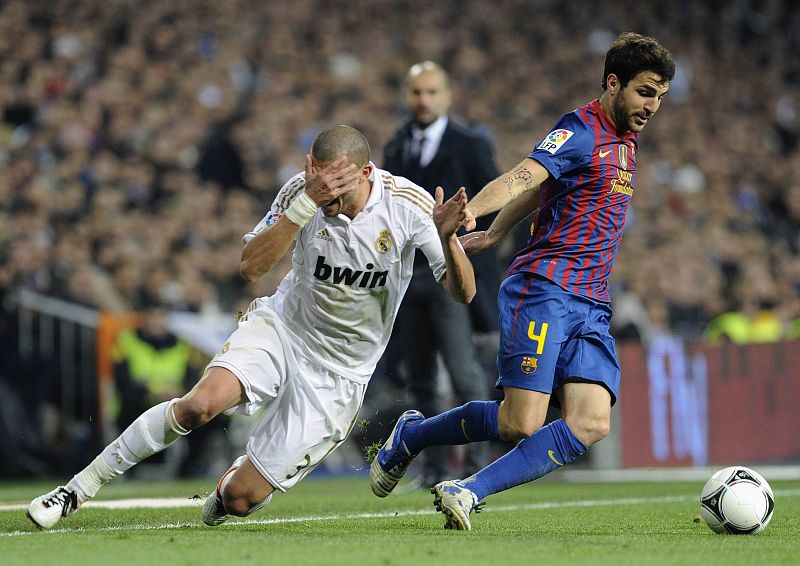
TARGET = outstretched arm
(508,218)
(459,280)
(267,248)
(524,178)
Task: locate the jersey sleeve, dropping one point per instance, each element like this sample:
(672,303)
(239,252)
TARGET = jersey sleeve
(288,193)
(426,239)
(417,222)
(568,147)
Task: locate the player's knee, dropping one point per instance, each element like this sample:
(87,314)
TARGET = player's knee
(590,429)
(239,501)
(517,422)
(194,411)
(237,506)
(514,429)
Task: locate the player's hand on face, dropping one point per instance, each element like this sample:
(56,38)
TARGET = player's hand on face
(325,184)
(448,216)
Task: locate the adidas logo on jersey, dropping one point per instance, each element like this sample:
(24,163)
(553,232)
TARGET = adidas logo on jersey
(358,278)
(324,235)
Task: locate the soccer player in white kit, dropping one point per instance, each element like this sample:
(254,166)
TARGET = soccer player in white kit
(307,352)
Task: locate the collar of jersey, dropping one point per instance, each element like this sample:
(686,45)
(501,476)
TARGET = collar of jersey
(376,193)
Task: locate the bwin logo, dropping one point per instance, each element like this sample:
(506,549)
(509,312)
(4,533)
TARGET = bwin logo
(345,275)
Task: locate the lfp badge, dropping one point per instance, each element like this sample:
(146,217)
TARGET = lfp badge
(554,140)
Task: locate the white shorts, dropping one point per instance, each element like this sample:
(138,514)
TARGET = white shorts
(309,410)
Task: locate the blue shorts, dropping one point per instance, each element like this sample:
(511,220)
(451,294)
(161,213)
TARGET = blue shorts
(549,336)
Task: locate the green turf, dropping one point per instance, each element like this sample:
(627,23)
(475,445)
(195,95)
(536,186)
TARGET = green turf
(546,523)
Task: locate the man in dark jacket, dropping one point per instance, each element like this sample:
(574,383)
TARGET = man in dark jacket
(433,149)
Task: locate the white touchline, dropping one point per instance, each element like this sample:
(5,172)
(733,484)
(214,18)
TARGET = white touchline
(152,503)
(180,502)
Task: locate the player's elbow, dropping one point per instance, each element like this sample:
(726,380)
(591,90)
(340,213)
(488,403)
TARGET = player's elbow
(460,298)
(468,295)
(461,293)
(461,290)
(248,271)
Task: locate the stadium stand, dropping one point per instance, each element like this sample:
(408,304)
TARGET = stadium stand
(139,139)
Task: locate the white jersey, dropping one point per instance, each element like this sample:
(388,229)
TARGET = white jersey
(340,300)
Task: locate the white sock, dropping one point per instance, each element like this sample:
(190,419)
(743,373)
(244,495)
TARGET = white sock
(154,430)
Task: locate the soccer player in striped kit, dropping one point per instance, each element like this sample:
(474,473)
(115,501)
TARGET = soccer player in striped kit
(555,344)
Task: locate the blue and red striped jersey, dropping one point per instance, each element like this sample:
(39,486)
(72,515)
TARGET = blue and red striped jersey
(577,228)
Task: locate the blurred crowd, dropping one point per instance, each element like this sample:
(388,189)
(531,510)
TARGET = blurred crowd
(140,139)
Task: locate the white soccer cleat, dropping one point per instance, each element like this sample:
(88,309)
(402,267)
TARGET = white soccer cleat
(46,510)
(393,459)
(213,510)
(456,502)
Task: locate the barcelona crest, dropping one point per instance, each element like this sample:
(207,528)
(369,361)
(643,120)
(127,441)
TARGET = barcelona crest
(528,364)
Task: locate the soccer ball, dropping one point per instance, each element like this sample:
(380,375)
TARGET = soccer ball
(737,500)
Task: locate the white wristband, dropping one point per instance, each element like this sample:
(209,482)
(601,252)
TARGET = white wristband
(302,210)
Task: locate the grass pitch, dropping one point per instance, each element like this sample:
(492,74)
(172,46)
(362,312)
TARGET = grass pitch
(339,521)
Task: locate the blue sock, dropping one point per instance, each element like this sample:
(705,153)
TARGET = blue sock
(550,447)
(473,422)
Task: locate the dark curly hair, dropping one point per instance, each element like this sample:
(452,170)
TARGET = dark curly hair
(632,53)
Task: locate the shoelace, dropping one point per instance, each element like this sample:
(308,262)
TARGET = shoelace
(67,499)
